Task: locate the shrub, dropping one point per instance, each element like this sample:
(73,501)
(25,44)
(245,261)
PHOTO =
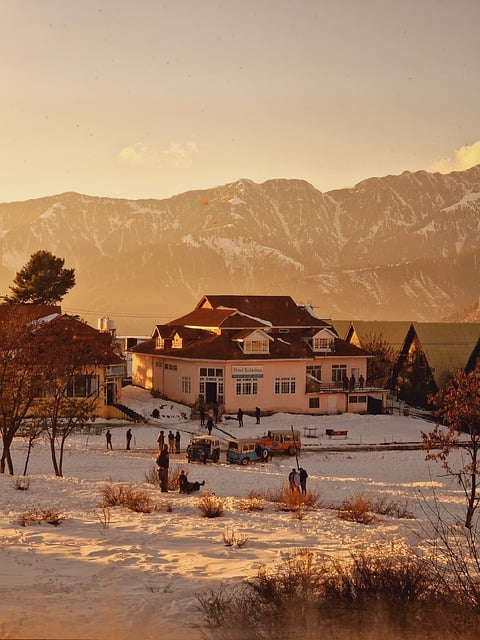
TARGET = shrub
(232,538)
(253,502)
(357,509)
(387,507)
(21,483)
(211,506)
(151,476)
(385,592)
(288,500)
(130,497)
(38,515)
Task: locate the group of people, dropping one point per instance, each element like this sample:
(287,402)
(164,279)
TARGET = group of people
(212,419)
(172,439)
(297,480)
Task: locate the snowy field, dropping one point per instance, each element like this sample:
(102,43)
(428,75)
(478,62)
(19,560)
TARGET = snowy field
(137,577)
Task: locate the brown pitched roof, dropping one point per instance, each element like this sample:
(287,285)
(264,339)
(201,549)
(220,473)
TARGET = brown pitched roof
(280,311)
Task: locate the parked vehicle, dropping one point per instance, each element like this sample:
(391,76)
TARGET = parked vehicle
(287,441)
(203,449)
(245,450)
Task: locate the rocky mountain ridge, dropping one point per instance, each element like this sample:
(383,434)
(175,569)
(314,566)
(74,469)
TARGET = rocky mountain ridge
(397,247)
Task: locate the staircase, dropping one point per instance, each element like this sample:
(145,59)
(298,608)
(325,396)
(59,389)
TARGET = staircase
(129,413)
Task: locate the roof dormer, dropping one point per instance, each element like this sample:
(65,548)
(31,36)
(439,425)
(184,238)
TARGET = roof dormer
(323,341)
(254,342)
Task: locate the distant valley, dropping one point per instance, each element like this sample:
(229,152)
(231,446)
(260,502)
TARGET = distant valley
(397,247)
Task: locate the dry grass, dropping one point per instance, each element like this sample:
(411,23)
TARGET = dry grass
(127,496)
(358,508)
(233,538)
(37,515)
(385,592)
(287,500)
(211,506)
(253,502)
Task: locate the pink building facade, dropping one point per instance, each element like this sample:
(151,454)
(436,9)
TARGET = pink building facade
(255,351)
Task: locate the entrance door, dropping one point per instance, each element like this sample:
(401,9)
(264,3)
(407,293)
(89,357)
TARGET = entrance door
(210,392)
(332,404)
(111,395)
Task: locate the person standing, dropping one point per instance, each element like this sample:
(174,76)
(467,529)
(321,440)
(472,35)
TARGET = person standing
(291,480)
(303,480)
(129,438)
(161,440)
(215,412)
(108,438)
(177,442)
(361,381)
(257,414)
(240,418)
(163,462)
(296,480)
(171,441)
(202,416)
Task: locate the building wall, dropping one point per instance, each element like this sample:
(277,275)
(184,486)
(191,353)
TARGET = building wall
(179,380)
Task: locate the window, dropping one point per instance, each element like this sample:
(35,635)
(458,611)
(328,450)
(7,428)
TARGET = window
(284,386)
(314,403)
(357,399)
(256,346)
(314,371)
(186,384)
(246,387)
(159,342)
(339,372)
(171,367)
(322,344)
(82,386)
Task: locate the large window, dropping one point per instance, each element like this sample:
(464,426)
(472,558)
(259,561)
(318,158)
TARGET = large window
(256,346)
(186,384)
(246,387)
(83,386)
(339,372)
(284,386)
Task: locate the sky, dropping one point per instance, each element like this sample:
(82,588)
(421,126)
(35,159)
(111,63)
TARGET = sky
(150,98)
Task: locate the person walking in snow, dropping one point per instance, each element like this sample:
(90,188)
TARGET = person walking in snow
(202,416)
(257,415)
(128,436)
(108,438)
(209,426)
(240,418)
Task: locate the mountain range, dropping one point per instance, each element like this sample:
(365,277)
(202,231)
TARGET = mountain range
(403,247)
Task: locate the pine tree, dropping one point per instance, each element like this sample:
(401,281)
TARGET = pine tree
(43,280)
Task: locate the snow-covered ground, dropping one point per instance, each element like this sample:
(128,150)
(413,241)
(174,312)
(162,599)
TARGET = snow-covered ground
(138,576)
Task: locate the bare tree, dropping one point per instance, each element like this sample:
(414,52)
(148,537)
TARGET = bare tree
(21,375)
(379,368)
(71,386)
(457,406)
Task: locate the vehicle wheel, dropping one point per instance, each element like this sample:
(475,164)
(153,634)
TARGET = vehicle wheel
(291,451)
(244,461)
(265,455)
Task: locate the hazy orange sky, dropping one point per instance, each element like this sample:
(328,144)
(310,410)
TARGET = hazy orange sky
(148,98)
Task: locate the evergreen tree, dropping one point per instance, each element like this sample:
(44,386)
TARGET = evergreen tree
(43,280)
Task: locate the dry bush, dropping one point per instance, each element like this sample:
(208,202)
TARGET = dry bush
(36,515)
(253,502)
(211,506)
(21,483)
(357,509)
(387,592)
(288,500)
(232,538)
(104,517)
(151,475)
(388,507)
(130,497)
